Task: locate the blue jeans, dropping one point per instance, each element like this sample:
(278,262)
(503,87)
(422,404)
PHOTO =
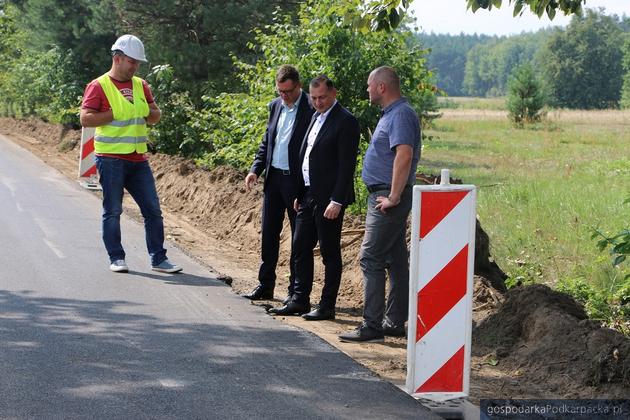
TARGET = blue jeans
(116,175)
(384,251)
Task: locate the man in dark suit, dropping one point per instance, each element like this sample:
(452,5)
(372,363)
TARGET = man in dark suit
(278,157)
(328,156)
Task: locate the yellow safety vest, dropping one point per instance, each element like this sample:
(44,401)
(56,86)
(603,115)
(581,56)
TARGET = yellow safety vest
(127,133)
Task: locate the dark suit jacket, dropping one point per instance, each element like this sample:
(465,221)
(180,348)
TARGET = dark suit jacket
(332,159)
(263,158)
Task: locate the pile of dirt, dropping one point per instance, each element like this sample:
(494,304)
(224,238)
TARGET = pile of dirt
(546,337)
(530,342)
(35,131)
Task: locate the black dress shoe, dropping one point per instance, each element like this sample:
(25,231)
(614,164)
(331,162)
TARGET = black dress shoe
(260,293)
(287,299)
(320,314)
(393,330)
(291,308)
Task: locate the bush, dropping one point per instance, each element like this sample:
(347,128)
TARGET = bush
(53,91)
(619,244)
(174,134)
(611,307)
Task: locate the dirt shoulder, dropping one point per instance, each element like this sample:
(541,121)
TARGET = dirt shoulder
(527,343)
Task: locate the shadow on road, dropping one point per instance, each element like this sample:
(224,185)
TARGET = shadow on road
(181,278)
(92,359)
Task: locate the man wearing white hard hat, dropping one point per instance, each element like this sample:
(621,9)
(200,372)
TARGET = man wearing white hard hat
(120,105)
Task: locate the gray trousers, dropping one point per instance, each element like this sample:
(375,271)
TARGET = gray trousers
(384,251)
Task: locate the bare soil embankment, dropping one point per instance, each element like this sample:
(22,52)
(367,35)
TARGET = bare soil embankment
(529,342)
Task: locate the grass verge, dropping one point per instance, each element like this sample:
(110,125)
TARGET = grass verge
(542,191)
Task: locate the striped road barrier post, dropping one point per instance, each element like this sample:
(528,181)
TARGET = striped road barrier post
(440,292)
(87,166)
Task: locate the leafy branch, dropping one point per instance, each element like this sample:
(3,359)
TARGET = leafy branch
(619,244)
(538,7)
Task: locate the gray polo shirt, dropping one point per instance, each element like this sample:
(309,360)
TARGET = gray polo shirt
(399,124)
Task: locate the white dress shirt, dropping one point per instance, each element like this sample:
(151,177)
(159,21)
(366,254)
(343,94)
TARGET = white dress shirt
(312,135)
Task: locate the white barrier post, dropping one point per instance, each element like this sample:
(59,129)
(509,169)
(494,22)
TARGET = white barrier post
(87,166)
(440,290)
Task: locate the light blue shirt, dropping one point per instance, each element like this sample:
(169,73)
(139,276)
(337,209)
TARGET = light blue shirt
(399,124)
(284,131)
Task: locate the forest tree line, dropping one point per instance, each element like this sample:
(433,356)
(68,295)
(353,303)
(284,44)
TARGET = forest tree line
(212,63)
(583,66)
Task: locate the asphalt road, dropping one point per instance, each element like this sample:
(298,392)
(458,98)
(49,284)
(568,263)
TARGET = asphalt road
(78,341)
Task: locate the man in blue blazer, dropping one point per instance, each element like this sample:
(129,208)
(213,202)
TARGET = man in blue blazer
(328,158)
(278,157)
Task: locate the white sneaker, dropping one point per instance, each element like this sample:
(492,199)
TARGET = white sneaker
(119,266)
(166,267)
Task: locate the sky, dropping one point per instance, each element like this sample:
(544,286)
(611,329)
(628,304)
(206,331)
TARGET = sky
(451,16)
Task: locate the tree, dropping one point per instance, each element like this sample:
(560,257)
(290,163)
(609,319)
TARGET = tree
(526,98)
(85,27)
(625,90)
(41,82)
(489,65)
(9,38)
(582,64)
(448,58)
(480,71)
(318,43)
(198,38)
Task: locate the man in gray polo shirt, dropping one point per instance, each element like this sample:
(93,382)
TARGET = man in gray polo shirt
(389,169)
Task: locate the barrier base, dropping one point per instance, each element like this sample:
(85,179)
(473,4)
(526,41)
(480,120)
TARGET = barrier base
(90,183)
(455,409)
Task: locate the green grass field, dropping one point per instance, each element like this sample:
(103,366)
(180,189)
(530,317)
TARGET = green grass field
(542,190)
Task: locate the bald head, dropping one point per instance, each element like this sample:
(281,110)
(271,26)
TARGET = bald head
(388,76)
(383,86)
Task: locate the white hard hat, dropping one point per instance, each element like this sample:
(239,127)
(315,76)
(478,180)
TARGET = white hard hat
(131,46)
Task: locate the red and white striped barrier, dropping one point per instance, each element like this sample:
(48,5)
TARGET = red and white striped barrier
(440,290)
(87,165)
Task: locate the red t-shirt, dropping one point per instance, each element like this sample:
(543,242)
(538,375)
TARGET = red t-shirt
(94,98)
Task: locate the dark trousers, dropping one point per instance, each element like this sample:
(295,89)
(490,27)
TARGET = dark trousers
(311,227)
(384,251)
(280,192)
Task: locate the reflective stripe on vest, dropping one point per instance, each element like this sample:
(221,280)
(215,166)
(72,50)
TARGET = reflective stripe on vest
(133,121)
(127,133)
